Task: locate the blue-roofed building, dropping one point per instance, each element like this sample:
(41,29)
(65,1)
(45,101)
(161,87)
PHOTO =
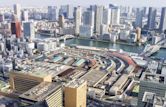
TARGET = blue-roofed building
(79,62)
(57,58)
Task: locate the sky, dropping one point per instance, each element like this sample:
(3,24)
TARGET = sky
(39,3)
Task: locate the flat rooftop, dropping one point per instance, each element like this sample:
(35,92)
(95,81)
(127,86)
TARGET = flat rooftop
(94,76)
(42,69)
(156,78)
(41,91)
(75,83)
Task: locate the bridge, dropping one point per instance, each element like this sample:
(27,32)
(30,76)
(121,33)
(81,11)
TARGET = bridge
(65,37)
(151,49)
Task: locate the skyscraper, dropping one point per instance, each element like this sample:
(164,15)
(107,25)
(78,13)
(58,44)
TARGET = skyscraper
(88,18)
(98,19)
(77,18)
(138,32)
(29,31)
(139,17)
(115,15)
(2,18)
(163,20)
(17,11)
(107,16)
(16,28)
(70,11)
(25,16)
(75,94)
(52,13)
(63,10)
(61,21)
(151,18)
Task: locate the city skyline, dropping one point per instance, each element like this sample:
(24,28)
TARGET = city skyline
(153,3)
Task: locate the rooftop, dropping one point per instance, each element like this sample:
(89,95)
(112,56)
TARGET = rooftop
(94,76)
(75,83)
(156,78)
(42,69)
(41,91)
(136,89)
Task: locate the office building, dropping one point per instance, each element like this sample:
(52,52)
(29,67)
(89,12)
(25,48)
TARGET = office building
(139,17)
(124,35)
(138,32)
(78,16)
(163,20)
(45,94)
(52,13)
(17,11)
(93,8)
(115,16)
(98,19)
(104,29)
(16,28)
(22,82)
(88,18)
(61,21)
(133,37)
(2,18)
(25,16)
(107,16)
(75,94)
(63,10)
(29,30)
(151,18)
(151,83)
(86,31)
(70,12)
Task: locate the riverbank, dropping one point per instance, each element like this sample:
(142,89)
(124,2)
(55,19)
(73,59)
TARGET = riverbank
(117,42)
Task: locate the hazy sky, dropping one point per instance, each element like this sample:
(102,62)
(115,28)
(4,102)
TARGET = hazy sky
(155,3)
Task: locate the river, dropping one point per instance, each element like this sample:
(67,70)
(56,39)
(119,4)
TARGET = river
(128,48)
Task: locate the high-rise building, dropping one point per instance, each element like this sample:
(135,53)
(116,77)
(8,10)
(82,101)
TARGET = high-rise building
(77,18)
(93,8)
(17,11)
(16,28)
(29,30)
(52,13)
(67,11)
(138,32)
(25,16)
(115,16)
(70,11)
(22,82)
(151,83)
(75,94)
(2,18)
(163,19)
(86,31)
(61,21)
(107,16)
(139,17)
(98,19)
(151,18)
(88,18)
(46,94)
(104,29)
(144,11)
